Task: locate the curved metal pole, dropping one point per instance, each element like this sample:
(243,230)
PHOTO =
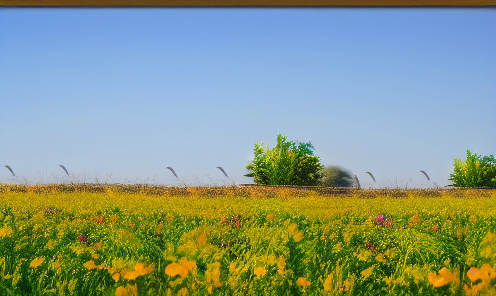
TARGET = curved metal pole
(371,176)
(63,167)
(10,169)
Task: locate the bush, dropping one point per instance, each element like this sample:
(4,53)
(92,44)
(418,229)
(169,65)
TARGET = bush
(289,163)
(336,176)
(475,172)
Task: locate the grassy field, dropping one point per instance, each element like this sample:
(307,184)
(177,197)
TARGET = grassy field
(140,240)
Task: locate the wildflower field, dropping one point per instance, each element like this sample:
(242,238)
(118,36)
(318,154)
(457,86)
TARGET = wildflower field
(144,240)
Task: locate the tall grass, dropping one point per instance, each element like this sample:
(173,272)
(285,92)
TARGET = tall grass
(90,239)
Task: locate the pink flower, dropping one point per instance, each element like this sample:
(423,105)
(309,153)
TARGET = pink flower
(82,238)
(379,218)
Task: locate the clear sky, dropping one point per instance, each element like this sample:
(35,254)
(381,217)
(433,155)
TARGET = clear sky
(117,95)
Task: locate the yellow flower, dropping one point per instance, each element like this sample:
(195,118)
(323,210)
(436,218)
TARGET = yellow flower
(270,217)
(259,271)
(4,232)
(232,267)
(486,252)
(337,247)
(182,292)
(367,272)
(490,237)
(298,237)
(292,228)
(272,259)
(328,283)
(37,262)
(281,264)
(213,274)
(129,290)
(202,240)
(91,265)
(110,193)
(445,276)
(57,265)
(50,244)
(303,282)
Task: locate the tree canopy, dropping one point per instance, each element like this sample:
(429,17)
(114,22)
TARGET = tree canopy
(288,163)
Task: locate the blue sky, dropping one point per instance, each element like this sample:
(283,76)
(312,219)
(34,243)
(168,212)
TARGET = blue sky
(117,95)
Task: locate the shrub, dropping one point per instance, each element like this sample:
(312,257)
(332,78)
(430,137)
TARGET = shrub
(289,163)
(336,176)
(475,172)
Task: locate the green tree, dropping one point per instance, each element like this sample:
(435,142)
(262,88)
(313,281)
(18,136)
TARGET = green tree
(288,163)
(475,172)
(336,176)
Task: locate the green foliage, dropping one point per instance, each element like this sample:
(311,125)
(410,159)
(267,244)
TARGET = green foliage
(475,172)
(289,163)
(336,176)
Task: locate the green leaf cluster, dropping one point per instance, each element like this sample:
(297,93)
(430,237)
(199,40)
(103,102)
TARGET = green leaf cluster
(288,163)
(475,172)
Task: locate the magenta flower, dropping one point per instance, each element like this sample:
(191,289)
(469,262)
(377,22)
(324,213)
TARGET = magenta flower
(379,218)
(82,238)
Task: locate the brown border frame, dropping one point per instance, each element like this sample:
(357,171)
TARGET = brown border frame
(247,3)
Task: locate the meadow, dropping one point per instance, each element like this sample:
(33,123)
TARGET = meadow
(151,240)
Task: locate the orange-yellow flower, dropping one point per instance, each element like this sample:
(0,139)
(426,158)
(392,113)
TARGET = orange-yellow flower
(303,282)
(445,276)
(99,220)
(174,269)
(116,277)
(189,265)
(473,274)
(474,290)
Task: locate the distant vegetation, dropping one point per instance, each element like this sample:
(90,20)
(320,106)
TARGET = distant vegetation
(475,172)
(288,163)
(336,176)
